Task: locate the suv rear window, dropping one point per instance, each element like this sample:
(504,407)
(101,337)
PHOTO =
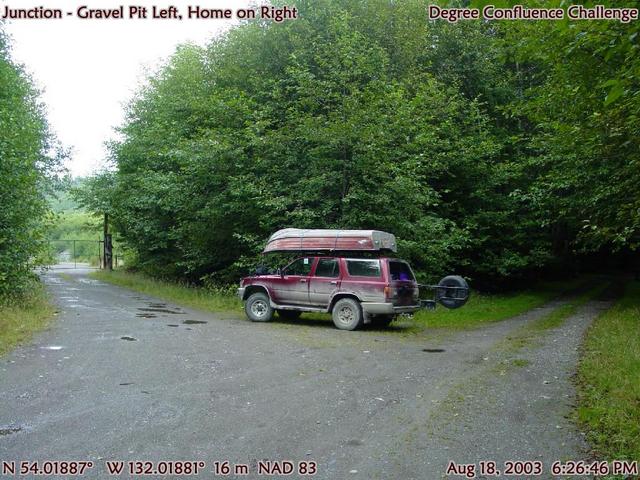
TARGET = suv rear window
(400,271)
(363,268)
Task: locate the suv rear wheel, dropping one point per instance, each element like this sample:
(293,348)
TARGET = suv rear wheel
(347,314)
(258,308)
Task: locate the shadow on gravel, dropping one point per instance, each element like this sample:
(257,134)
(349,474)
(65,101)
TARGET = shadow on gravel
(318,321)
(304,321)
(162,310)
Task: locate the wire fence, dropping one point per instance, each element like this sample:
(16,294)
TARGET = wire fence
(78,254)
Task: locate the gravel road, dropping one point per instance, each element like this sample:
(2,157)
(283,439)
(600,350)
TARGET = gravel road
(121,376)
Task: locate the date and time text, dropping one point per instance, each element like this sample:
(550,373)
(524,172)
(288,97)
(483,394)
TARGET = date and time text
(218,468)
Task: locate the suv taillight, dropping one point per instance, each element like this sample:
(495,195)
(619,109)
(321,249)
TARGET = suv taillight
(390,292)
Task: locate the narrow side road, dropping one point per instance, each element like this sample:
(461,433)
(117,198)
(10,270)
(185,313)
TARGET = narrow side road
(124,376)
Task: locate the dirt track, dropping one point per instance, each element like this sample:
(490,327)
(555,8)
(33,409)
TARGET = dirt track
(123,376)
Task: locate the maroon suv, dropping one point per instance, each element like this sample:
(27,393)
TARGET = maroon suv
(353,289)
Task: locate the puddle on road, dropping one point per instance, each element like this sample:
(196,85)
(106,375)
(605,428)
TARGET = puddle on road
(90,281)
(433,350)
(146,315)
(161,310)
(52,347)
(194,322)
(129,339)
(9,430)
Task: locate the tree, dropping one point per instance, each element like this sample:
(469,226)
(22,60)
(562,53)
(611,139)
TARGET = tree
(583,100)
(27,157)
(457,138)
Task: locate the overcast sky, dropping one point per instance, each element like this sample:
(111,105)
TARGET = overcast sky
(87,70)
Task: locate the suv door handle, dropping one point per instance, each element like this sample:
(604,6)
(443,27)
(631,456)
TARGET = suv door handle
(303,280)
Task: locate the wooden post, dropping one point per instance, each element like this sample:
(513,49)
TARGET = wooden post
(108,246)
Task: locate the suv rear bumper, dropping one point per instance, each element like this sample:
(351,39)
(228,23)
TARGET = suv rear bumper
(385,308)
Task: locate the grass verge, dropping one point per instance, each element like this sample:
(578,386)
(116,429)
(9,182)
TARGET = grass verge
(483,309)
(556,317)
(479,310)
(529,334)
(609,380)
(20,320)
(189,296)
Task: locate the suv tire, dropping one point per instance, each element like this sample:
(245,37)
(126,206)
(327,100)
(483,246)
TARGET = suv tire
(289,314)
(347,314)
(258,308)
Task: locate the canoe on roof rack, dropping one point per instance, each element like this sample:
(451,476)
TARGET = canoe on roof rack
(297,240)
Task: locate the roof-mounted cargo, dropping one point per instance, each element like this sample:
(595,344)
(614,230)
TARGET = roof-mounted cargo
(296,240)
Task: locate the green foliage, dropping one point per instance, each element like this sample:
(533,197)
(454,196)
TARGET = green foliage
(74,229)
(582,96)
(467,141)
(76,225)
(486,308)
(25,160)
(609,391)
(213,299)
(61,198)
(19,320)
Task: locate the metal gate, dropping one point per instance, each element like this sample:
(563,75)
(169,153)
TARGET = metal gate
(78,254)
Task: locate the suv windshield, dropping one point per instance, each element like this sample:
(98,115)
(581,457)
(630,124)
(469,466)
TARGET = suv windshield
(400,271)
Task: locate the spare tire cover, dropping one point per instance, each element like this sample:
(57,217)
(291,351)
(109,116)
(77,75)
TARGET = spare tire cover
(452,297)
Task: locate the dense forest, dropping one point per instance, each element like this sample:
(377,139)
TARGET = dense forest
(29,161)
(499,150)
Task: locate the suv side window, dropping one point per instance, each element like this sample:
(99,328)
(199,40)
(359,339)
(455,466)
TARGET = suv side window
(327,267)
(301,266)
(363,268)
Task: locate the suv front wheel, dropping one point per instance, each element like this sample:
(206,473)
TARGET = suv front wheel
(258,307)
(347,314)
